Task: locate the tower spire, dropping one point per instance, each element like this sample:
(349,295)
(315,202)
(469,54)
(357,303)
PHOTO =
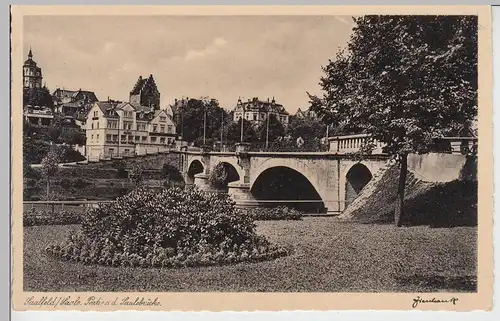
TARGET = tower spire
(30,54)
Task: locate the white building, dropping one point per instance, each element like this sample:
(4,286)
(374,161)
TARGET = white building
(256,111)
(117,129)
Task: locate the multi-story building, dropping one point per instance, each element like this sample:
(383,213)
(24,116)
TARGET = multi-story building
(115,129)
(73,102)
(38,116)
(32,75)
(256,111)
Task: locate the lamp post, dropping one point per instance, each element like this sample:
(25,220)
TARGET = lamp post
(204,124)
(242,117)
(222,126)
(267,130)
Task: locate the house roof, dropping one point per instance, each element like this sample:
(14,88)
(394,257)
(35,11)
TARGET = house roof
(63,93)
(256,104)
(107,108)
(141,83)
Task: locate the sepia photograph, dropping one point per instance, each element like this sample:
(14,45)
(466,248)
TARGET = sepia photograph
(241,153)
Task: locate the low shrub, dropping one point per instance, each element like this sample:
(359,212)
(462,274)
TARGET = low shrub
(274,213)
(35,217)
(69,155)
(171,228)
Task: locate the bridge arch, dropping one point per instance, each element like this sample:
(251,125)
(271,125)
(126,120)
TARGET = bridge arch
(275,180)
(196,166)
(355,180)
(231,173)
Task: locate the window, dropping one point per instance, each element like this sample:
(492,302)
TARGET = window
(127,125)
(155,128)
(162,140)
(153,139)
(124,137)
(141,126)
(97,137)
(163,119)
(254,116)
(127,114)
(126,151)
(92,137)
(169,129)
(130,138)
(162,128)
(112,124)
(137,138)
(144,138)
(168,140)
(115,138)
(97,125)
(92,125)
(96,113)
(108,137)
(111,151)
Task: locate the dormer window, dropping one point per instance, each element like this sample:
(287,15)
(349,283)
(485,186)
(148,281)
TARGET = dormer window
(163,119)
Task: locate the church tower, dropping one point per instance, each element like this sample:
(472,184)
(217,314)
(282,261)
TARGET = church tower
(32,75)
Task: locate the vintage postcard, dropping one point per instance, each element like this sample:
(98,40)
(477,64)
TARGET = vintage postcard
(250,158)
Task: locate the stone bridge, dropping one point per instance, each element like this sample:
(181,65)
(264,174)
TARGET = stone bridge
(316,181)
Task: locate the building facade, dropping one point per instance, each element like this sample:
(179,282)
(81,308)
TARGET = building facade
(32,74)
(38,116)
(73,103)
(256,111)
(145,93)
(117,129)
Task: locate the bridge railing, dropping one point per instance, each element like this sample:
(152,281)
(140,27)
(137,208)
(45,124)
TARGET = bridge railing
(282,146)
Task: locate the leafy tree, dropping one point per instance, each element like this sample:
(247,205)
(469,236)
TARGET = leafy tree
(37,97)
(307,128)
(120,168)
(406,80)
(218,175)
(50,167)
(193,115)
(233,132)
(171,173)
(276,129)
(72,136)
(136,174)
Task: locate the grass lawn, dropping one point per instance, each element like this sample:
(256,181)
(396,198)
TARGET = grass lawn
(328,256)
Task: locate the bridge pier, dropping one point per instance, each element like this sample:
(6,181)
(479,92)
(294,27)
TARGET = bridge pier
(201,181)
(240,193)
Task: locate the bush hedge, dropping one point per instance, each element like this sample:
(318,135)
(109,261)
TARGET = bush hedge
(172,228)
(274,213)
(35,217)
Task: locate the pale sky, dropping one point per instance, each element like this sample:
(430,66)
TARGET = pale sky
(222,57)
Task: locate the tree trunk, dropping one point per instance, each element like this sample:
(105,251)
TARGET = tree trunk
(399,210)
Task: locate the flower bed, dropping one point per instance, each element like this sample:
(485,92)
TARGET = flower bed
(274,213)
(173,228)
(41,217)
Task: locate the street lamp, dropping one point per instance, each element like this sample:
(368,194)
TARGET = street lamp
(243,115)
(222,126)
(267,129)
(204,123)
